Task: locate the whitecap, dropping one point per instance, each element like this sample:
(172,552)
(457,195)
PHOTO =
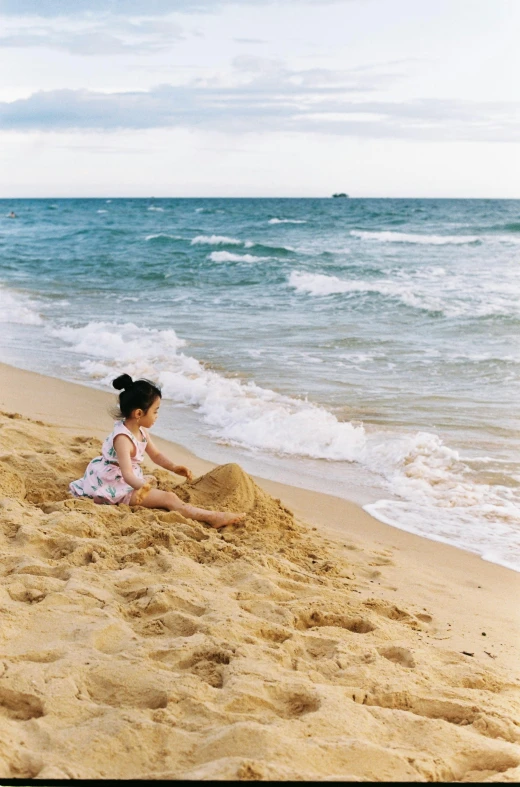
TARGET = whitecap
(226,256)
(215,240)
(162,235)
(387,236)
(514,240)
(449,299)
(118,342)
(287,221)
(319,283)
(15,308)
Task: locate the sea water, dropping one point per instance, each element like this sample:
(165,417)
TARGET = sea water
(368,348)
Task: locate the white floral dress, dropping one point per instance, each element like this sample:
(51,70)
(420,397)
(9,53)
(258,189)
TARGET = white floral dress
(103,480)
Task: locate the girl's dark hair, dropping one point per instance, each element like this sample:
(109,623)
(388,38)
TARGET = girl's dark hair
(138,395)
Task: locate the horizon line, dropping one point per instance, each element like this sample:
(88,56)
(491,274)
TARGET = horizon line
(325,197)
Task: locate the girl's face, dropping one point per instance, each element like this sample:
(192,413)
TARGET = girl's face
(150,417)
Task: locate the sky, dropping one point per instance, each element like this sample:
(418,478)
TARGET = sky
(259,98)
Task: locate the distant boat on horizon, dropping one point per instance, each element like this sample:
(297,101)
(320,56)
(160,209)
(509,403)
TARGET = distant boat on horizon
(340,194)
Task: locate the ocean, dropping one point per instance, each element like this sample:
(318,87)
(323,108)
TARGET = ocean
(368,348)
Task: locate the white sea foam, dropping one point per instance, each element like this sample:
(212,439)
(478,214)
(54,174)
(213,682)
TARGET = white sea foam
(224,240)
(428,290)
(238,413)
(152,207)
(118,341)
(287,221)
(463,527)
(359,357)
(437,497)
(319,284)
(101,210)
(247,414)
(226,256)
(249,244)
(163,235)
(387,236)
(16,308)
(215,240)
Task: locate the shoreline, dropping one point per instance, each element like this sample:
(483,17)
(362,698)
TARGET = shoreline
(69,404)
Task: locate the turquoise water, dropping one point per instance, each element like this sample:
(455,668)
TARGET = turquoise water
(368,348)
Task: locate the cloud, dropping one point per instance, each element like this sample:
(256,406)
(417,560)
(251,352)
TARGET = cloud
(107,27)
(57,8)
(142,36)
(125,8)
(265,95)
(250,40)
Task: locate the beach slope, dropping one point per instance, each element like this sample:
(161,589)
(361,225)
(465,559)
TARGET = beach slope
(309,643)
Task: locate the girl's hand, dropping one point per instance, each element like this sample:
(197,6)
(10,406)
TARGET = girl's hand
(181,470)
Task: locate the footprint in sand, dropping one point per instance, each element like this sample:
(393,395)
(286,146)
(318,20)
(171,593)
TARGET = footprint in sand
(398,655)
(19,705)
(208,664)
(295,703)
(315,618)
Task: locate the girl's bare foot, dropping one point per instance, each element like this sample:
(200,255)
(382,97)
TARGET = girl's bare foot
(222,518)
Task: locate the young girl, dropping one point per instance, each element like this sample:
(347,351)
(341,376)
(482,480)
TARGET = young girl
(117,477)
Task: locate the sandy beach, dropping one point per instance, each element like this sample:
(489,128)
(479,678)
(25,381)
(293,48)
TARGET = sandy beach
(311,642)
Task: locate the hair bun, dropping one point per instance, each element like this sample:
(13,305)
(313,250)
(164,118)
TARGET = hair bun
(123,382)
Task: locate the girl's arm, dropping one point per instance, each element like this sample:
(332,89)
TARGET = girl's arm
(163,461)
(124,447)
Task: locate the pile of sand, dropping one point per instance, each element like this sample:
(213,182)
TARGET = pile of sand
(139,644)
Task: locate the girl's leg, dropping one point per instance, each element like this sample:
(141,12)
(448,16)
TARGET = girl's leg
(169,500)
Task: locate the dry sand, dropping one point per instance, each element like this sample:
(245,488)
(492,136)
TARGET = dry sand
(310,643)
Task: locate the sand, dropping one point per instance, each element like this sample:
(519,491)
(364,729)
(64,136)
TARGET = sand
(310,643)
